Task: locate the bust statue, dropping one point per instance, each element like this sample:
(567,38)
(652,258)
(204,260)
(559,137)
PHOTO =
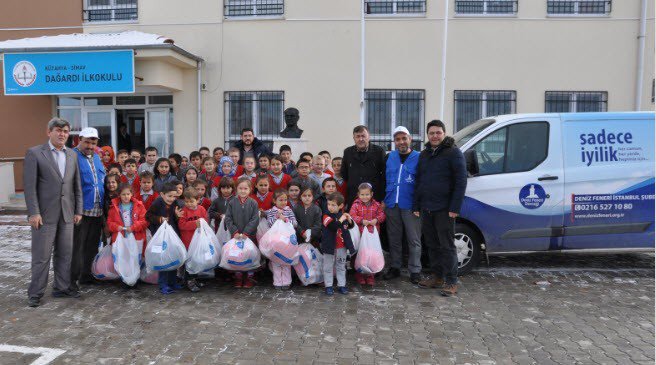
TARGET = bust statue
(291,119)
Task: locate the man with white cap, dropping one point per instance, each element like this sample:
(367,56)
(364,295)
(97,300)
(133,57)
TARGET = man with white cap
(400,171)
(87,234)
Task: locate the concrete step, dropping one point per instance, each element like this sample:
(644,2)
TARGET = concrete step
(15,205)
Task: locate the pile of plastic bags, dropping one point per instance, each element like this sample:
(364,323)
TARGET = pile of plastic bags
(204,250)
(240,255)
(370,259)
(165,251)
(279,244)
(310,264)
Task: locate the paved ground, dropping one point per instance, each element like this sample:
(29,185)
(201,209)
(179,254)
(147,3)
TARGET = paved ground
(525,309)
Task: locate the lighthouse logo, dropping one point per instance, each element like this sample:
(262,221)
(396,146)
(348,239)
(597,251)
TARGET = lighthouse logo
(532,196)
(24,73)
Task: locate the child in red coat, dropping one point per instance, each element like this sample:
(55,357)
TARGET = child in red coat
(366,212)
(201,189)
(127,215)
(263,196)
(146,194)
(277,178)
(188,222)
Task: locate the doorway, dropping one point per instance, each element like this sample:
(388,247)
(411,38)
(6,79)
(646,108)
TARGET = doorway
(130,129)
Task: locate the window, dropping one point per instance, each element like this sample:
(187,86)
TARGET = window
(575,101)
(240,8)
(472,105)
(260,110)
(387,109)
(387,7)
(515,148)
(110,10)
(486,7)
(578,7)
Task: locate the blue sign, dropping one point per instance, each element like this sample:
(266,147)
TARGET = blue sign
(95,72)
(532,196)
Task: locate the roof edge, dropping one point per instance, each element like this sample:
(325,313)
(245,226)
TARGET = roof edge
(172,47)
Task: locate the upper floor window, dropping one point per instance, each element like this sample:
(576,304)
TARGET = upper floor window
(392,7)
(578,7)
(110,10)
(472,105)
(387,109)
(260,110)
(575,101)
(486,7)
(246,8)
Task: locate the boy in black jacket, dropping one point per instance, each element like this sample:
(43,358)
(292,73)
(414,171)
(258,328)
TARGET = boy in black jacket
(335,240)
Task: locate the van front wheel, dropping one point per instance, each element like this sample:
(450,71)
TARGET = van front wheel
(468,248)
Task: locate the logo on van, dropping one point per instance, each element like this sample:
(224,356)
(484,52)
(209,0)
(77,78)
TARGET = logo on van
(532,196)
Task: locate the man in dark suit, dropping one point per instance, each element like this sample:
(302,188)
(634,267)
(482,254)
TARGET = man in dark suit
(363,162)
(53,196)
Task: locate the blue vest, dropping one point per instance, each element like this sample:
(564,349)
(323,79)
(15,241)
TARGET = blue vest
(86,179)
(401,180)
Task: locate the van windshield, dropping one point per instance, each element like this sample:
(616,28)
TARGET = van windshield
(462,136)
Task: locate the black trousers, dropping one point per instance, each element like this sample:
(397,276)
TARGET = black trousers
(439,235)
(86,237)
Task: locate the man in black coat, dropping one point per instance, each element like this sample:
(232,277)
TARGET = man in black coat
(249,144)
(441,181)
(363,162)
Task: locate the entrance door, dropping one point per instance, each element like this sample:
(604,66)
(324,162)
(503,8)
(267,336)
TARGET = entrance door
(103,121)
(158,130)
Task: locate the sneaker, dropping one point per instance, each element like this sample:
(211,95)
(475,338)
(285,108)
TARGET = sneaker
(359,278)
(329,291)
(192,286)
(370,280)
(176,286)
(449,290)
(392,273)
(249,282)
(166,290)
(66,293)
(432,283)
(342,290)
(238,282)
(415,278)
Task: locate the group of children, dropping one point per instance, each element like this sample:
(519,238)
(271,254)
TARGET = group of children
(307,194)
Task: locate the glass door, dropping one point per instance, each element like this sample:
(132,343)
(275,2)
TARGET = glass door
(158,130)
(103,121)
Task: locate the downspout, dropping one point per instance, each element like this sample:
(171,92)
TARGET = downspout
(362,61)
(199,126)
(444,48)
(641,55)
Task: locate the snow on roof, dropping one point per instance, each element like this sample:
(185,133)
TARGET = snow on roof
(85,40)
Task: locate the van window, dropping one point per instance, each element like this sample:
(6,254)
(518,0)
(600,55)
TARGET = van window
(515,148)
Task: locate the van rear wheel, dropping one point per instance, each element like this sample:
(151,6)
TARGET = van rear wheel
(468,248)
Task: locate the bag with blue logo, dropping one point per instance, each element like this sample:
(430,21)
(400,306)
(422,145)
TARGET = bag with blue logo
(165,251)
(126,252)
(103,265)
(310,264)
(279,244)
(240,255)
(204,250)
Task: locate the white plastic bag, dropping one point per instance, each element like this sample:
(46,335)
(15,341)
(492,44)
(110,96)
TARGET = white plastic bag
(279,244)
(262,229)
(370,259)
(310,264)
(204,250)
(147,276)
(127,258)
(240,255)
(222,234)
(165,251)
(103,265)
(355,236)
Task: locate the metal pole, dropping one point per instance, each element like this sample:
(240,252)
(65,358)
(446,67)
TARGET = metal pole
(362,60)
(641,55)
(444,48)
(199,125)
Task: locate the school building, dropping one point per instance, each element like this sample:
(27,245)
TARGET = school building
(179,74)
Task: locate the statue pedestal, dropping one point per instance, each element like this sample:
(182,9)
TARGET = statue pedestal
(298,146)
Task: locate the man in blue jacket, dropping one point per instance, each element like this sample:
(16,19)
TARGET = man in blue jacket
(441,183)
(400,175)
(86,235)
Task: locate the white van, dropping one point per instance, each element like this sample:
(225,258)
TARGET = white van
(557,182)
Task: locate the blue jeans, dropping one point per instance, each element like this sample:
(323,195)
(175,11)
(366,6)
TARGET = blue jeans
(439,235)
(167,278)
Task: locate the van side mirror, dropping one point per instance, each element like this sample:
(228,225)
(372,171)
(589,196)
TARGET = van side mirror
(472,162)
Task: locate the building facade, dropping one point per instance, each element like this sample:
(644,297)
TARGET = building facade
(258,57)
